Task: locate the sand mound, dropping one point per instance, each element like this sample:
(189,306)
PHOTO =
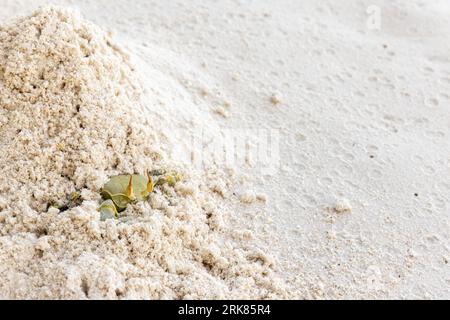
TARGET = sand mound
(72,114)
(71,108)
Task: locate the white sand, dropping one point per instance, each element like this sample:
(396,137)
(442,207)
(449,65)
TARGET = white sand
(358,206)
(75,112)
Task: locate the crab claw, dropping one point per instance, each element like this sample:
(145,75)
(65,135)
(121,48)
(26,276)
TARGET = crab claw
(130,192)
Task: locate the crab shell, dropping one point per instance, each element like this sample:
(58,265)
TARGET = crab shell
(125,189)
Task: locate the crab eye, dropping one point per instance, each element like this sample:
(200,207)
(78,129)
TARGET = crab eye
(130,191)
(150,184)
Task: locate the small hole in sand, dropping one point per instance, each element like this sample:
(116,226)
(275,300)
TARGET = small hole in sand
(85,287)
(41,232)
(39,253)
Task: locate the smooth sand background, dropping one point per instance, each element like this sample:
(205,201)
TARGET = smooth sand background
(363,116)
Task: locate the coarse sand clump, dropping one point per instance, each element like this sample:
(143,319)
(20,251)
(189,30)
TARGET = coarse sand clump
(72,114)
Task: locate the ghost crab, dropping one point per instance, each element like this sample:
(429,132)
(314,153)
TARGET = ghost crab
(122,190)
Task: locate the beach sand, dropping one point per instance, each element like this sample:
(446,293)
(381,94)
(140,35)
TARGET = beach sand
(350,199)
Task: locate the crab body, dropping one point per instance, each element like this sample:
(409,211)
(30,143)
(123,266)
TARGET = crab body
(122,190)
(126,189)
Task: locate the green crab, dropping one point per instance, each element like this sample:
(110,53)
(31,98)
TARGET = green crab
(122,190)
(125,189)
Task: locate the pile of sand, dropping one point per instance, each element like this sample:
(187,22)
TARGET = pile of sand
(72,114)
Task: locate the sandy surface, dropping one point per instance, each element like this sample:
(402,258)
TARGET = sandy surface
(358,200)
